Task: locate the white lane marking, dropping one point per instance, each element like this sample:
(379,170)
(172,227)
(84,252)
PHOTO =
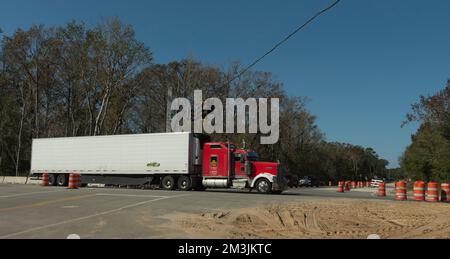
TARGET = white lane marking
(29,193)
(89,217)
(374,237)
(131,195)
(70,207)
(73,236)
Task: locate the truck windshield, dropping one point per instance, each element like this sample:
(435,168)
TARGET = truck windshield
(252,156)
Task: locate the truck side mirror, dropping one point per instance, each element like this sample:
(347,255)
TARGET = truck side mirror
(248,168)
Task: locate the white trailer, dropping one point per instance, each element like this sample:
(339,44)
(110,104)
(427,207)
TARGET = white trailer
(120,159)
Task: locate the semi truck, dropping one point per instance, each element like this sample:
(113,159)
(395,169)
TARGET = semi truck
(170,161)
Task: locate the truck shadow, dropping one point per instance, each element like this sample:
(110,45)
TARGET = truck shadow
(246,192)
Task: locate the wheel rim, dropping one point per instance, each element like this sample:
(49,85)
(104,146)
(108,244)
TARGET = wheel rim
(169,184)
(61,180)
(263,186)
(184,184)
(51,179)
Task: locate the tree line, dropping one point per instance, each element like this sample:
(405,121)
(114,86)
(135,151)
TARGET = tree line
(428,156)
(73,80)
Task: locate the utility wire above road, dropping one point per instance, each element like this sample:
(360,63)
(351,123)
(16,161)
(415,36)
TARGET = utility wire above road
(323,11)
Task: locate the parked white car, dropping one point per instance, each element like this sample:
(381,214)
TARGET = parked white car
(376,183)
(305,181)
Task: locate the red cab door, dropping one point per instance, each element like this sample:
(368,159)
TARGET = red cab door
(215,162)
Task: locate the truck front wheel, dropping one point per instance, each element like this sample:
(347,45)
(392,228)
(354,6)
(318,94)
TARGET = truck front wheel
(263,186)
(168,183)
(184,183)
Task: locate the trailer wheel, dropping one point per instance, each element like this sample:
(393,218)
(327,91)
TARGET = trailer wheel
(62,180)
(51,180)
(168,183)
(263,186)
(184,183)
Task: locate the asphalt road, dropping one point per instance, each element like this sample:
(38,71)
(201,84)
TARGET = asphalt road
(36,212)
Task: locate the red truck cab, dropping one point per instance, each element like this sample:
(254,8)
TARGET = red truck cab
(225,166)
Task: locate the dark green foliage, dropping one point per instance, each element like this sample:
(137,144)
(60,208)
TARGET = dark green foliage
(77,81)
(428,157)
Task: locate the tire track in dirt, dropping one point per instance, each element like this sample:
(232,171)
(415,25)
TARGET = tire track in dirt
(347,219)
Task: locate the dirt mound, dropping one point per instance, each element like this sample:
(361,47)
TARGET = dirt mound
(322,219)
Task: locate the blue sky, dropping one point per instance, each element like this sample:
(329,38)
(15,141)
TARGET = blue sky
(362,64)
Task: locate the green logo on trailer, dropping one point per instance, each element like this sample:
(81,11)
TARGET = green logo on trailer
(153,164)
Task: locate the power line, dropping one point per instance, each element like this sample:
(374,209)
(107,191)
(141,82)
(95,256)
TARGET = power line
(286,39)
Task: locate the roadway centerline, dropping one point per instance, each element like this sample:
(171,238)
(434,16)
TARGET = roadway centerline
(43,203)
(131,195)
(28,193)
(90,216)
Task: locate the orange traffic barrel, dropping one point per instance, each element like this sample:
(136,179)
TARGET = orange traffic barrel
(445,192)
(400,191)
(347,186)
(353,185)
(45,180)
(432,192)
(360,184)
(382,190)
(330,184)
(341,187)
(367,184)
(73,181)
(419,191)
